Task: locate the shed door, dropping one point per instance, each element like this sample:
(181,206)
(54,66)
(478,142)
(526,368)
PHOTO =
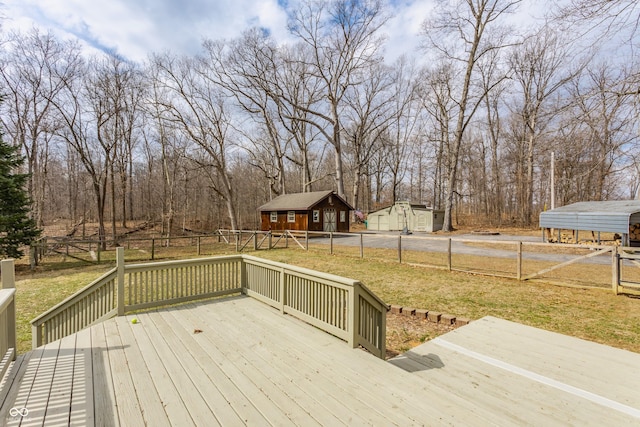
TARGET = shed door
(329,220)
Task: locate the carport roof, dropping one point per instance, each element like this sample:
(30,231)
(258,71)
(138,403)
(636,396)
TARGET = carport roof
(611,216)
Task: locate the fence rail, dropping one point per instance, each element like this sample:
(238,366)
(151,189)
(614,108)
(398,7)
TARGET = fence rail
(340,306)
(7,316)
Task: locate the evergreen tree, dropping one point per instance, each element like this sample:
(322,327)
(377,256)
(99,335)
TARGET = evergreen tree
(16,227)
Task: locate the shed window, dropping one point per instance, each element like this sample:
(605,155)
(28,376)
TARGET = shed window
(316,216)
(274,216)
(343,216)
(291,216)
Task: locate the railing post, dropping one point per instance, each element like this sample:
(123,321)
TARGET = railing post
(282,290)
(7,269)
(120,279)
(615,269)
(243,275)
(354,319)
(519,261)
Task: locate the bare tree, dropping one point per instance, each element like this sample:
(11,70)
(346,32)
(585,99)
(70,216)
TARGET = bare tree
(402,130)
(606,118)
(197,107)
(33,70)
(342,37)
(458,33)
(369,117)
(539,71)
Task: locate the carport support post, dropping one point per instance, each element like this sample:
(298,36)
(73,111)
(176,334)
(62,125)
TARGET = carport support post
(519,261)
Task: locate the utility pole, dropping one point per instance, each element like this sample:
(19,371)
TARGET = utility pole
(553,180)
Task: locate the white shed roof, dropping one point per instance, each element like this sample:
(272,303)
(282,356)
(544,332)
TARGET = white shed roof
(610,216)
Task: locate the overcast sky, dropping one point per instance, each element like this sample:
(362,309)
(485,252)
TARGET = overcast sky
(135,28)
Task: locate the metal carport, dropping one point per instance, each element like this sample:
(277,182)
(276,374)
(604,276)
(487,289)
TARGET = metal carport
(607,216)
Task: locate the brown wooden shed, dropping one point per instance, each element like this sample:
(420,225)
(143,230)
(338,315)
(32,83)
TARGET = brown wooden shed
(315,211)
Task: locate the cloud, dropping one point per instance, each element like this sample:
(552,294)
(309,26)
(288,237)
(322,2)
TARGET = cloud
(136,28)
(403,29)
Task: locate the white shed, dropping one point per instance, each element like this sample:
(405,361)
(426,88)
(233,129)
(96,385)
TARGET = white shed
(415,217)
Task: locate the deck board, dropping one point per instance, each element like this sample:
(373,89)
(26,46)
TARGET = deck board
(129,409)
(168,393)
(82,392)
(252,365)
(517,372)
(104,405)
(147,395)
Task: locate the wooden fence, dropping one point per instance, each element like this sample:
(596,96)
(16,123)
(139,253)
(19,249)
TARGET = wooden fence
(342,307)
(7,316)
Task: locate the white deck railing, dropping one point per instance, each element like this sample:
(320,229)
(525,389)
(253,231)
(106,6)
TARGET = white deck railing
(7,316)
(340,306)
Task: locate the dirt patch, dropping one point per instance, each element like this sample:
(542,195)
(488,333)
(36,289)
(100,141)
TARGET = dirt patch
(406,332)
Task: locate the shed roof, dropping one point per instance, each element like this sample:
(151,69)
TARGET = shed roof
(299,201)
(611,216)
(412,205)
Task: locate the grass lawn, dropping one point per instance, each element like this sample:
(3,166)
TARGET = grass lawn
(592,314)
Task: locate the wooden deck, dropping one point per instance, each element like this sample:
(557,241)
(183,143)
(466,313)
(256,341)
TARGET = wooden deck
(237,361)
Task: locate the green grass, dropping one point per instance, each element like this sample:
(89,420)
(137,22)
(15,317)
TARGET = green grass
(593,314)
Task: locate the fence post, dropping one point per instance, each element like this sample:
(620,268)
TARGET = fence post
(331,243)
(99,251)
(269,238)
(8,271)
(306,240)
(153,249)
(361,247)
(120,279)
(255,241)
(519,261)
(615,269)
(449,254)
(400,249)
(198,245)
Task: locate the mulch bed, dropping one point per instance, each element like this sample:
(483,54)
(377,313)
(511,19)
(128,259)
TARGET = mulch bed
(406,332)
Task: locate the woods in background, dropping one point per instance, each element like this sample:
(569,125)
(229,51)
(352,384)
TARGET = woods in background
(467,124)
